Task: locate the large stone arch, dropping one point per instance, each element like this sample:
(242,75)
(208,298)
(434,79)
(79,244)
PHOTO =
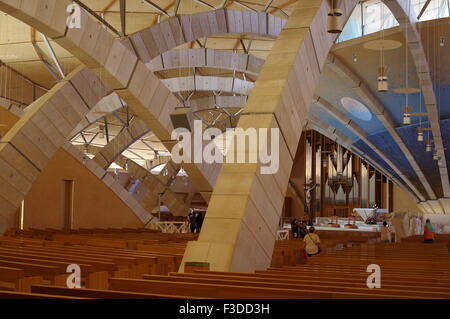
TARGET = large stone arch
(241,237)
(31,142)
(238,235)
(407,18)
(118,66)
(206,58)
(209,83)
(91,165)
(239,229)
(181,29)
(154,184)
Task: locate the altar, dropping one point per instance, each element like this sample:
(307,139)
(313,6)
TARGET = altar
(370,214)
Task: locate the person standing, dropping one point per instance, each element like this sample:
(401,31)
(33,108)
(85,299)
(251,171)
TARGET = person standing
(192,224)
(428,232)
(385,233)
(302,230)
(198,221)
(294,228)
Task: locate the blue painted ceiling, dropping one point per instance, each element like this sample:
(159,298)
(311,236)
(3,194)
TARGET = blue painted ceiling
(332,87)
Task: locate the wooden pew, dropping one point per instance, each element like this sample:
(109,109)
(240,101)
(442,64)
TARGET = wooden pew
(28,295)
(237,290)
(100,294)
(15,279)
(392,290)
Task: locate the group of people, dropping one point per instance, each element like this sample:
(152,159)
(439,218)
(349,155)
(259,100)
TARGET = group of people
(311,239)
(428,232)
(298,228)
(195,220)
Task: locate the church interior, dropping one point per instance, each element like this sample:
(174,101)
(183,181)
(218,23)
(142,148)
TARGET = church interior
(100,196)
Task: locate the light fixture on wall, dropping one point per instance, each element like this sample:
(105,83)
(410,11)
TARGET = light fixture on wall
(355,58)
(420,134)
(435,155)
(428,146)
(383,84)
(406,115)
(334,17)
(442,42)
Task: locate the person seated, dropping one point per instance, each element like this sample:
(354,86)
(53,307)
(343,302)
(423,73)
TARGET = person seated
(312,242)
(428,232)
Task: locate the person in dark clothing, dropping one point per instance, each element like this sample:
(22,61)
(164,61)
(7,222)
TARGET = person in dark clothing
(294,228)
(198,221)
(302,230)
(192,222)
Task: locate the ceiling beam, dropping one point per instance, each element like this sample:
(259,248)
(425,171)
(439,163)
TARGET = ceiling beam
(97,17)
(156,7)
(108,6)
(203,3)
(123,16)
(267,6)
(243,5)
(422,11)
(176,7)
(53,55)
(405,15)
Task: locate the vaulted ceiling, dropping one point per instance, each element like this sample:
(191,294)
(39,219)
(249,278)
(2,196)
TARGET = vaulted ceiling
(27,63)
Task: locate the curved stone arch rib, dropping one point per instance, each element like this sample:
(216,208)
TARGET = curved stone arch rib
(406,17)
(128,136)
(181,29)
(116,64)
(108,104)
(28,146)
(241,221)
(219,101)
(362,134)
(13,107)
(378,109)
(208,83)
(206,58)
(154,185)
(140,211)
(78,77)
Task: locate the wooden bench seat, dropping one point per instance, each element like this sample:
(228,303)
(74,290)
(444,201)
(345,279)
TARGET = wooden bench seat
(54,274)
(352,288)
(99,294)
(14,279)
(356,278)
(237,291)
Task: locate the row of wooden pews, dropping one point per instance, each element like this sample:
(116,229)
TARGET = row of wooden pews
(286,252)
(39,258)
(408,270)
